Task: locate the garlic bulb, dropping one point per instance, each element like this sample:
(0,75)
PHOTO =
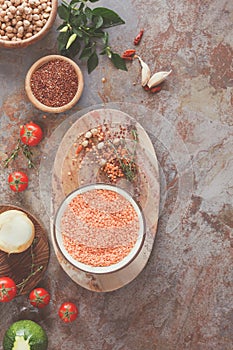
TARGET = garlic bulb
(16,231)
(145,71)
(157,78)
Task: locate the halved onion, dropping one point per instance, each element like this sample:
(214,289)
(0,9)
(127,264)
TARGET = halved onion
(17,231)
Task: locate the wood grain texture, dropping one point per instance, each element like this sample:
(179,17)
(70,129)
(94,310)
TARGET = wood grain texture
(19,266)
(67,177)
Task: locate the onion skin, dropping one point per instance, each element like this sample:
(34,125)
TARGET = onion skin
(17,231)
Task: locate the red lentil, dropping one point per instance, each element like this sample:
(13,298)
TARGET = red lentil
(99,227)
(55,83)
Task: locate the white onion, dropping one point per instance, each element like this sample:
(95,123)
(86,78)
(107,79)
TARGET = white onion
(16,231)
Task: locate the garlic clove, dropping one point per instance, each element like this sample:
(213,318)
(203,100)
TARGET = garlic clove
(16,231)
(145,71)
(158,78)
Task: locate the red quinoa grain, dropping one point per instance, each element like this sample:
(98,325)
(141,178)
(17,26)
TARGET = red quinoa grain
(55,83)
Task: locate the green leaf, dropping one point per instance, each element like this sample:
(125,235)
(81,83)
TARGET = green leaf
(75,21)
(92,62)
(94,0)
(74,2)
(64,12)
(96,33)
(86,40)
(74,49)
(61,26)
(110,18)
(81,7)
(78,32)
(63,37)
(98,21)
(88,13)
(86,52)
(118,62)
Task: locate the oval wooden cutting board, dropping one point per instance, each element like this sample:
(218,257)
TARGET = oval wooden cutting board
(71,171)
(26,268)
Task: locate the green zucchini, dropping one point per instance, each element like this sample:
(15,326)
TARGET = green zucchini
(25,335)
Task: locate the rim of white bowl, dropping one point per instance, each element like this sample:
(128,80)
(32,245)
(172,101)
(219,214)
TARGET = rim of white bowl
(99,269)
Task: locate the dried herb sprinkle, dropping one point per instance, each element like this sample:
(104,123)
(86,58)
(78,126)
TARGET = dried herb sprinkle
(55,83)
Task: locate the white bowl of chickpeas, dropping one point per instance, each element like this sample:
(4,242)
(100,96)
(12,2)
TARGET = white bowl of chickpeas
(24,22)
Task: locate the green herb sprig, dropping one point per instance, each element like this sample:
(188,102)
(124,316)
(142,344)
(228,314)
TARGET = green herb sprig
(127,163)
(26,152)
(83,32)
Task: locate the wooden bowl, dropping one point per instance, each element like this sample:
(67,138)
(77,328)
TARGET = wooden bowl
(42,106)
(37,36)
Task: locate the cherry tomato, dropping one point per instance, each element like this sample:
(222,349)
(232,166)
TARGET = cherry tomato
(39,297)
(31,134)
(18,181)
(68,312)
(8,289)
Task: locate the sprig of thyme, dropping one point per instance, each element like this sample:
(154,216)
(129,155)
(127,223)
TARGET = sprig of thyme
(14,154)
(83,32)
(127,162)
(33,272)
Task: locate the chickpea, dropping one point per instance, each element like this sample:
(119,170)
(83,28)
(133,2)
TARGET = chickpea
(39,23)
(12,9)
(28,35)
(14,21)
(10,15)
(21,30)
(9,29)
(26,23)
(35,17)
(10,35)
(29,18)
(19,24)
(48,9)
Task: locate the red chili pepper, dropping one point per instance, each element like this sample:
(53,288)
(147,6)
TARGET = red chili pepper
(127,58)
(79,149)
(128,54)
(146,88)
(155,89)
(138,37)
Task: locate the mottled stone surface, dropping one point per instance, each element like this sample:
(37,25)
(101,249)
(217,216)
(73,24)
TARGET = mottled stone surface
(183,299)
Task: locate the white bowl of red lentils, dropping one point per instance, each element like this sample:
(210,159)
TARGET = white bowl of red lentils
(54,84)
(24,22)
(99,228)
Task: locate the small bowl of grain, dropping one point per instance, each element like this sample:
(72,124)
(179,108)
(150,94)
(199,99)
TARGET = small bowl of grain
(99,228)
(54,84)
(24,22)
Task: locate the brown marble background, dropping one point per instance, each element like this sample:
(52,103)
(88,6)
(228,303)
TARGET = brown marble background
(183,298)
